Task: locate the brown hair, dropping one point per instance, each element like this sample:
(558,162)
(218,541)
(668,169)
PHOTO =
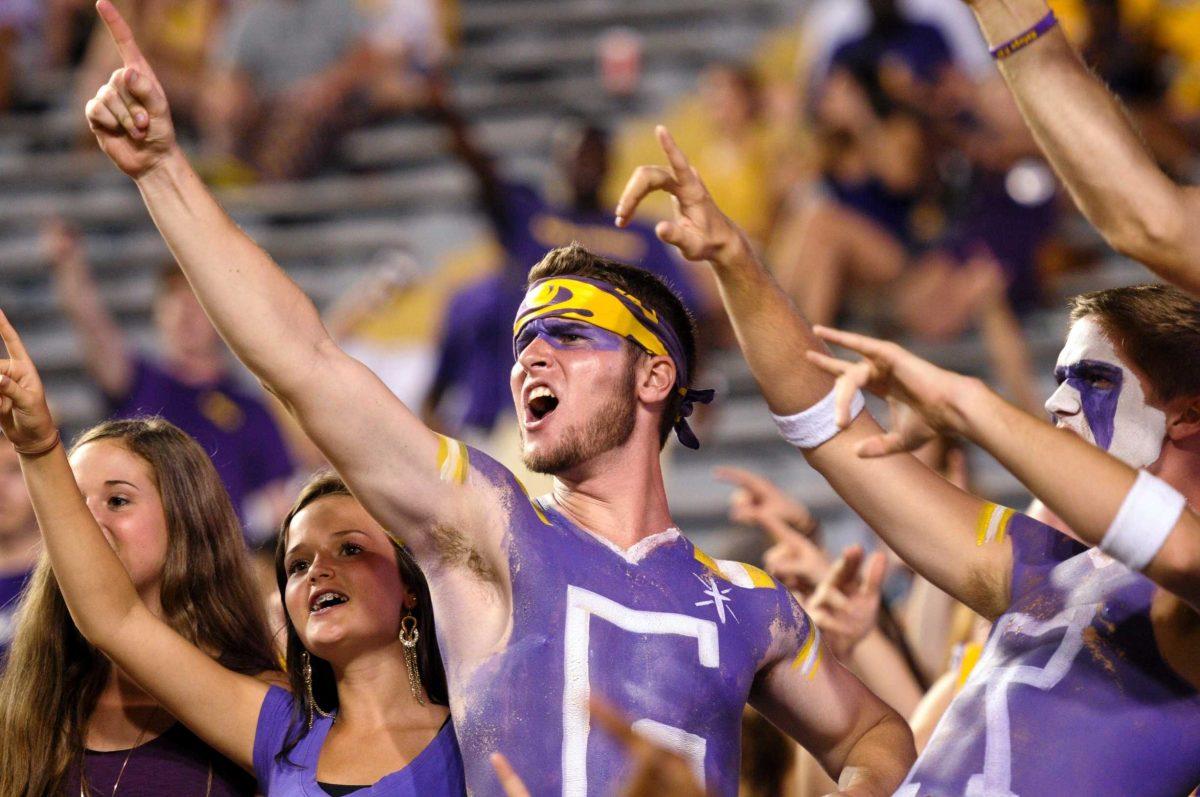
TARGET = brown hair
(324,687)
(649,289)
(1157,327)
(54,676)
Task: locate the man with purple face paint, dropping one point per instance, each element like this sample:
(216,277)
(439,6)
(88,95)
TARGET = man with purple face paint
(591,589)
(1084,649)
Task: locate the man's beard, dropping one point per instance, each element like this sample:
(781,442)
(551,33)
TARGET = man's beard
(610,427)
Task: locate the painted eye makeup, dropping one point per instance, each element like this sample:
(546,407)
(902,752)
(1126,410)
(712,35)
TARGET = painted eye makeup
(1094,374)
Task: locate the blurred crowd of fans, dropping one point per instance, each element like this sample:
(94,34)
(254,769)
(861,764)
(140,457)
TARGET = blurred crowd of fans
(871,152)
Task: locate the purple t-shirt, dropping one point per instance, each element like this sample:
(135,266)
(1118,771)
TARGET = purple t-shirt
(1071,694)
(175,763)
(475,348)
(674,640)
(234,427)
(11,586)
(436,772)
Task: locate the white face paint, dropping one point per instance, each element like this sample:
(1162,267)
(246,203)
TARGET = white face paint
(1101,399)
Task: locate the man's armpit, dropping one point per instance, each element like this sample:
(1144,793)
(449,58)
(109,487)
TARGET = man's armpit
(455,550)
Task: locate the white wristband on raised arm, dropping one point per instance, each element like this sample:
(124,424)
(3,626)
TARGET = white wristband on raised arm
(818,423)
(1149,512)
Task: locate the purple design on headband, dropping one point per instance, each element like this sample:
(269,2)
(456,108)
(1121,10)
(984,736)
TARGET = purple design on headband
(662,330)
(557,331)
(1099,403)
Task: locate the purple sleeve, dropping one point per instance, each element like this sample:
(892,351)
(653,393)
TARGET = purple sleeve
(1037,548)
(273,720)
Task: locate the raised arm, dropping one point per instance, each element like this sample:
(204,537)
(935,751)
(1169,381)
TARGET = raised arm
(1094,147)
(1035,452)
(388,457)
(105,351)
(219,705)
(925,519)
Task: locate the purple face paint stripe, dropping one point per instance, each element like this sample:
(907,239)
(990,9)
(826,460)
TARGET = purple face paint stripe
(1099,404)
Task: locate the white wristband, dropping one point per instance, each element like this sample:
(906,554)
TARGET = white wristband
(815,425)
(1149,512)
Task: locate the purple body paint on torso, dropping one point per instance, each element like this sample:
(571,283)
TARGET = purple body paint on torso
(654,631)
(1071,695)
(175,763)
(435,772)
(1099,404)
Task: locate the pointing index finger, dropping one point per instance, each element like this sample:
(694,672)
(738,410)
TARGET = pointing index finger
(122,35)
(679,162)
(12,341)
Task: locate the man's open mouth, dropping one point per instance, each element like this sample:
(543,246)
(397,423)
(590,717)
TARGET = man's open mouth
(542,402)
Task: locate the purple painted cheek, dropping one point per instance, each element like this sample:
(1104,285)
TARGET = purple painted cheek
(1100,410)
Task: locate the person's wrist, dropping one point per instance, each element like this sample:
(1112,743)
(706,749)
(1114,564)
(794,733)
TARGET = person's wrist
(166,169)
(970,399)
(1001,20)
(34,450)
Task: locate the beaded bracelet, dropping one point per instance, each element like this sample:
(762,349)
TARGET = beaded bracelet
(1044,26)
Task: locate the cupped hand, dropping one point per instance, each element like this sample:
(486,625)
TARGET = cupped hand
(129,114)
(699,230)
(922,395)
(24,416)
(845,605)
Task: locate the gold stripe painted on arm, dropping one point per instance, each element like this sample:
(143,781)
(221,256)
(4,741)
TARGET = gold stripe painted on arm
(759,577)
(984,521)
(710,563)
(1002,526)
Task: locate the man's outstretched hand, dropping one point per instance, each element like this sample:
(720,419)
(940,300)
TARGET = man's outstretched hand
(699,230)
(129,114)
(922,395)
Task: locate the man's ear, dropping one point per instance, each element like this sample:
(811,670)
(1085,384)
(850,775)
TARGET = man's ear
(1183,418)
(656,378)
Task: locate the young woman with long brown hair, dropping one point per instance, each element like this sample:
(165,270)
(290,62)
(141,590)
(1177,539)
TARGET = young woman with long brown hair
(72,723)
(367,708)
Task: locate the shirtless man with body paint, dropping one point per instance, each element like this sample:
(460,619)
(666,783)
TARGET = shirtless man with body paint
(1083,648)
(540,603)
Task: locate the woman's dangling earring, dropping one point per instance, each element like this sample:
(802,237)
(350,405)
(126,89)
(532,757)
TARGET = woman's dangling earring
(408,637)
(306,670)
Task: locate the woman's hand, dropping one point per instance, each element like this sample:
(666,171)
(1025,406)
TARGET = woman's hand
(24,416)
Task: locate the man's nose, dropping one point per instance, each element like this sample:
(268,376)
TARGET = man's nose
(1064,402)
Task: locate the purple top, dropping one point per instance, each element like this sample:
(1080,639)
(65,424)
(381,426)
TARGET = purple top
(234,427)
(436,772)
(1071,695)
(475,349)
(175,763)
(11,585)
(669,637)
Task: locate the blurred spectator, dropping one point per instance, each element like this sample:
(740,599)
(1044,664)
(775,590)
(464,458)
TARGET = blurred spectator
(289,77)
(1130,60)
(190,385)
(175,35)
(475,349)
(34,35)
(20,541)
(408,38)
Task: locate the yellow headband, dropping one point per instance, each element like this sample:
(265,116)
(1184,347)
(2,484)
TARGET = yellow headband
(582,301)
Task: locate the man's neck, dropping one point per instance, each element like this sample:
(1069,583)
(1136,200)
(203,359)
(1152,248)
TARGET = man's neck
(1179,466)
(19,551)
(618,496)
